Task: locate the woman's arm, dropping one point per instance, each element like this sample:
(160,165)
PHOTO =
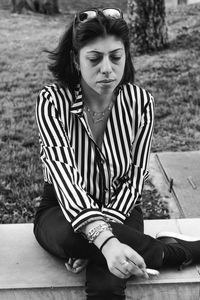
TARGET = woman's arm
(58,156)
(130,190)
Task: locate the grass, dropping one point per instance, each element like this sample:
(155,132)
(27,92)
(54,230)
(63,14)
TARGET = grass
(172,76)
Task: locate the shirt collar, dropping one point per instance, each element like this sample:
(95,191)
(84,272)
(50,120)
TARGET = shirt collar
(77,105)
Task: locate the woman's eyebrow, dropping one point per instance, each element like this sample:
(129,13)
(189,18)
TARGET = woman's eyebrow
(119,49)
(99,52)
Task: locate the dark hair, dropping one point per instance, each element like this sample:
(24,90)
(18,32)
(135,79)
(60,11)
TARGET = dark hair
(63,68)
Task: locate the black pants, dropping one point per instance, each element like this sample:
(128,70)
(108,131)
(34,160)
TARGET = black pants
(55,234)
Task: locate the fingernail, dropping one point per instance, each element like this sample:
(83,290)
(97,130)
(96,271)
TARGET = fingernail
(66,265)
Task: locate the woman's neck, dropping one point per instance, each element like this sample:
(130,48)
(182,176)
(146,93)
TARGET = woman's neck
(97,102)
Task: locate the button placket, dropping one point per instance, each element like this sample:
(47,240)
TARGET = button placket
(104,169)
(107,184)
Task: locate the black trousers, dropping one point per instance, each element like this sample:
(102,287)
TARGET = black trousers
(55,234)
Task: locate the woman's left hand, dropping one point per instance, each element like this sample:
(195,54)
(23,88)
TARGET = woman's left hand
(76,265)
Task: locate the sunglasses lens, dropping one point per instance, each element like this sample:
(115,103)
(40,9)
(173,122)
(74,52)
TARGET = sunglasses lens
(112,12)
(91,14)
(87,15)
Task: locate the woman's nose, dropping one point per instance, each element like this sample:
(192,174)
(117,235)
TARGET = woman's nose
(106,67)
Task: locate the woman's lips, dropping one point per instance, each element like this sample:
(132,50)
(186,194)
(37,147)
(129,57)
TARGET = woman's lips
(106,81)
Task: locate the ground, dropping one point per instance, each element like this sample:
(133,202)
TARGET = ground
(171,75)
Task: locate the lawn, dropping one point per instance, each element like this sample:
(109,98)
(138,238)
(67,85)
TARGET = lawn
(172,75)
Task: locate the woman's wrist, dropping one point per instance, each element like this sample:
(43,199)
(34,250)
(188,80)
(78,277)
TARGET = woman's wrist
(101,238)
(109,243)
(106,241)
(85,229)
(98,232)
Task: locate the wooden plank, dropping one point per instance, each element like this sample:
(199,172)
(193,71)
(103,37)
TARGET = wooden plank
(171,275)
(25,264)
(189,226)
(29,273)
(73,293)
(164,292)
(184,169)
(152,227)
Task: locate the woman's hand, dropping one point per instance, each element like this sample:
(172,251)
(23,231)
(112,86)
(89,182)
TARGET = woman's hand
(76,265)
(123,261)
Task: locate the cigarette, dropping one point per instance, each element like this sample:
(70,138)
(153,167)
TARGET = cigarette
(152,272)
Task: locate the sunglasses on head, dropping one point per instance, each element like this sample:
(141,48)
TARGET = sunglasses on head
(90,14)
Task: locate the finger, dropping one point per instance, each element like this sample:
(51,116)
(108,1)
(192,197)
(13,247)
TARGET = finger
(69,268)
(78,269)
(80,262)
(142,264)
(122,273)
(77,263)
(131,268)
(137,260)
(71,261)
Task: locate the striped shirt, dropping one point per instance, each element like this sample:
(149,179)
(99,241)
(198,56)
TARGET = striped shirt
(93,183)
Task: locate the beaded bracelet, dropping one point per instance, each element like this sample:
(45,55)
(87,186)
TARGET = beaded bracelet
(95,231)
(109,238)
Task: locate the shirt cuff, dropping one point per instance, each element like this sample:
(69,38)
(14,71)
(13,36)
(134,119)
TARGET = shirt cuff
(86,216)
(114,214)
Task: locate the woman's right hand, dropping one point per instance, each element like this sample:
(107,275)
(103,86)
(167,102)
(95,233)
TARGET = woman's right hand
(123,261)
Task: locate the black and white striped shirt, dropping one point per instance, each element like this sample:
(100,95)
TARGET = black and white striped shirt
(93,183)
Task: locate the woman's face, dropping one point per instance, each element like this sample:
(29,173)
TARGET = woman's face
(102,63)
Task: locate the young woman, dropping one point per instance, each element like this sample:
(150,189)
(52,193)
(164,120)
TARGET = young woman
(95,130)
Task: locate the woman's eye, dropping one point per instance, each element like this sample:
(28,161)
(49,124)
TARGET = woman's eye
(115,58)
(94,59)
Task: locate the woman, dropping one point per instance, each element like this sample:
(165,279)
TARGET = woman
(95,130)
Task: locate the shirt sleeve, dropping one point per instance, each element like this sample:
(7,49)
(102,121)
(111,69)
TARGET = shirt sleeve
(130,190)
(59,159)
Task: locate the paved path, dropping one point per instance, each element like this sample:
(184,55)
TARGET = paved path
(176,175)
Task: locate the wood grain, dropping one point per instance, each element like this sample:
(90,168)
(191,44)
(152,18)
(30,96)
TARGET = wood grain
(28,272)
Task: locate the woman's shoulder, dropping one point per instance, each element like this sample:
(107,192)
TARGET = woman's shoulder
(137,94)
(136,91)
(56,93)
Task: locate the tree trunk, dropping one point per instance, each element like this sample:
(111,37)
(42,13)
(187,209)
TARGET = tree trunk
(148,29)
(48,7)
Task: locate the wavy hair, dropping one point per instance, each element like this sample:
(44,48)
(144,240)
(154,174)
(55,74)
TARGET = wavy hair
(77,36)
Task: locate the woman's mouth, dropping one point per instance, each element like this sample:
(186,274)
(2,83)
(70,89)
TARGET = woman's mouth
(106,81)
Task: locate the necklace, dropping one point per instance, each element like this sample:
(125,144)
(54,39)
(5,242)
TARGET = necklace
(98,116)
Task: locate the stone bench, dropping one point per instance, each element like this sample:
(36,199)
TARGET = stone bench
(27,272)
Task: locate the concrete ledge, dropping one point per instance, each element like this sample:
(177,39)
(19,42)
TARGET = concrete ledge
(29,272)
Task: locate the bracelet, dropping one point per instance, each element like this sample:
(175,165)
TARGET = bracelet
(95,232)
(109,238)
